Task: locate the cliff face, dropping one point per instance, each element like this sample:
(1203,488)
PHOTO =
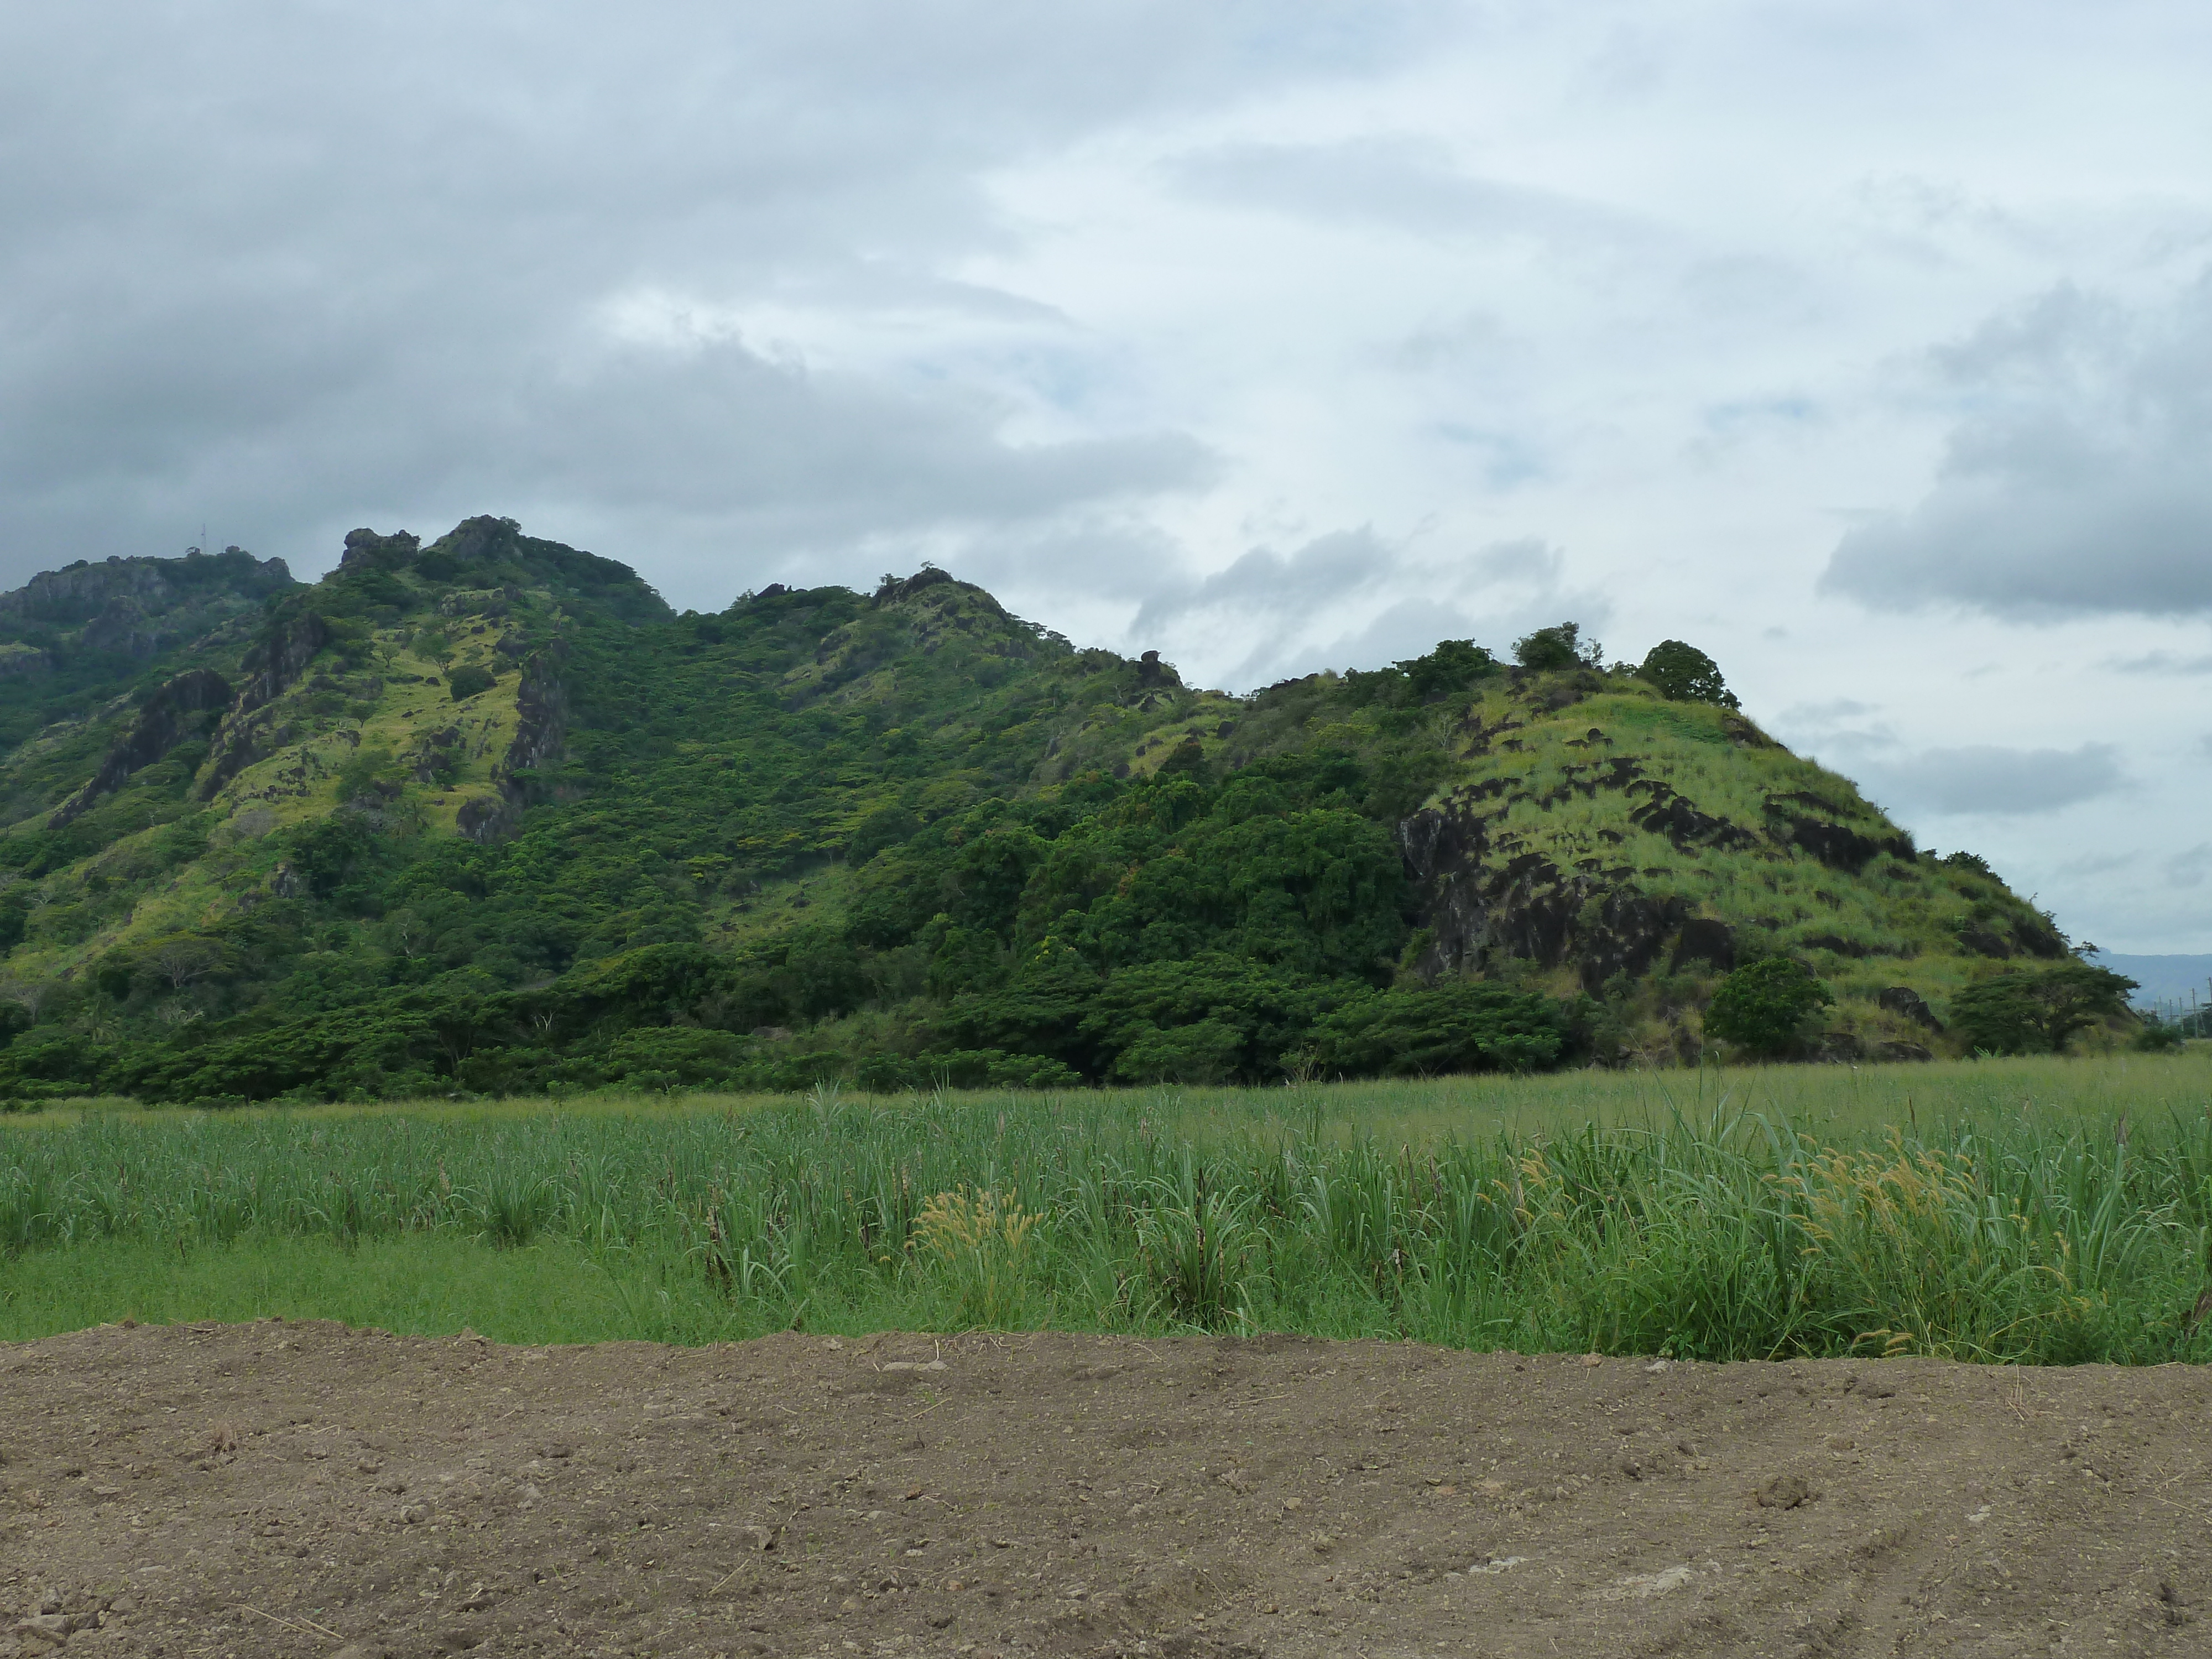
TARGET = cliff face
(134,605)
(541,728)
(271,668)
(169,716)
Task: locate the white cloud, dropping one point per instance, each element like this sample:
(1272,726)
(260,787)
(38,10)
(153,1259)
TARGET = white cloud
(1986,778)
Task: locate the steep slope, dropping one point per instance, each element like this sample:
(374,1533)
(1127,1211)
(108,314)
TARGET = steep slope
(486,815)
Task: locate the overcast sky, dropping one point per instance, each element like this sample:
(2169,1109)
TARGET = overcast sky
(1867,345)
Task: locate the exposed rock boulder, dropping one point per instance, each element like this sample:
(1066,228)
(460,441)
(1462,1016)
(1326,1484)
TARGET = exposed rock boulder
(1706,940)
(1983,942)
(366,547)
(1668,814)
(80,594)
(273,667)
(1902,999)
(1834,844)
(168,717)
(1477,910)
(541,730)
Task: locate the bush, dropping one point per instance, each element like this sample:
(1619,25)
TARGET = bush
(2160,1037)
(1455,1025)
(1562,646)
(1453,665)
(2035,1011)
(1763,1006)
(1685,674)
(468,680)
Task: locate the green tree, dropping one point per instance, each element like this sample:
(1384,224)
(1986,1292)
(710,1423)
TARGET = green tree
(1685,674)
(468,680)
(1763,1005)
(1453,665)
(2036,1010)
(1455,1025)
(1560,646)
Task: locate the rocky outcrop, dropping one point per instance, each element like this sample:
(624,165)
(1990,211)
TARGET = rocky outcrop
(128,591)
(271,668)
(541,714)
(174,713)
(366,547)
(1904,1000)
(891,589)
(1478,909)
(1667,813)
(1704,939)
(541,731)
(1835,845)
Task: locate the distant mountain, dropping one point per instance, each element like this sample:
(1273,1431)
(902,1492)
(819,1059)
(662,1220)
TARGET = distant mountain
(485,814)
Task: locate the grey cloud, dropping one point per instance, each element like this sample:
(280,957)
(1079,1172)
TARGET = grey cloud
(1409,628)
(1406,184)
(2189,869)
(284,270)
(2076,483)
(1351,599)
(1842,729)
(1989,779)
(2160,662)
(1836,708)
(1326,569)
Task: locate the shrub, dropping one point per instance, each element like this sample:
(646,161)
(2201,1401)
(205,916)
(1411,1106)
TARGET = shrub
(1559,647)
(1455,1025)
(2035,1011)
(1685,674)
(1453,665)
(1763,1006)
(2160,1037)
(468,680)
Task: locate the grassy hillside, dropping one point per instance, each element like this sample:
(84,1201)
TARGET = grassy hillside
(485,816)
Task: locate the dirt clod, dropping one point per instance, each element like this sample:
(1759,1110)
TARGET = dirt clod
(1785,1492)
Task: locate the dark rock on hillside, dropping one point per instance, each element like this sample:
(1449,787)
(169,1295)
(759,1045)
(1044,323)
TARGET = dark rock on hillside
(166,719)
(1668,814)
(366,547)
(123,627)
(271,668)
(541,727)
(893,589)
(1477,910)
(1833,844)
(1983,943)
(120,590)
(1705,940)
(2038,939)
(1904,1001)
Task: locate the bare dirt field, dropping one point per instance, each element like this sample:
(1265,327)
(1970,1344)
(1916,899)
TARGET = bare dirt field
(306,1489)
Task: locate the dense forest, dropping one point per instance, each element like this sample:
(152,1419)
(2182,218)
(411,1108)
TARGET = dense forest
(487,816)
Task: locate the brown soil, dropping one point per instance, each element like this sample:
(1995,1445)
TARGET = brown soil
(305,1489)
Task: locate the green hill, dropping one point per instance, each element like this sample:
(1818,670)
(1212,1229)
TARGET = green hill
(487,815)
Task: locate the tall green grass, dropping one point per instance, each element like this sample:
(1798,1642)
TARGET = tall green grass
(2052,1212)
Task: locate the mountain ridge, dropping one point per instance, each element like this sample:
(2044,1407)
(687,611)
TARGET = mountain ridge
(486,813)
